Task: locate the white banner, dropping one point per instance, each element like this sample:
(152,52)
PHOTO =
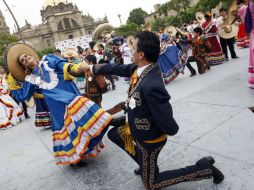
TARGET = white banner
(82,41)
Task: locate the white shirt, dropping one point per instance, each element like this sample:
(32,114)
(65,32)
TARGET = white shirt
(220,22)
(141,69)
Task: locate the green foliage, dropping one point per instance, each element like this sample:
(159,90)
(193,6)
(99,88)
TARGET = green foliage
(5,40)
(188,16)
(206,5)
(174,20)
(181,7)
(45,52)
(176,5)
(137,16)
(185,13)
(164,8)
(128,29)
(226,3)
(1,60)
(159,23)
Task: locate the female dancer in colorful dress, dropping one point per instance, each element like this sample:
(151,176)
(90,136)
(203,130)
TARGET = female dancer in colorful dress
(42,114)
(210,31)
(78,124)
(10,112)
(249,22)
(242,37)
(172,59)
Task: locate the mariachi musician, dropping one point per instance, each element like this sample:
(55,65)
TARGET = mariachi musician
(228,31)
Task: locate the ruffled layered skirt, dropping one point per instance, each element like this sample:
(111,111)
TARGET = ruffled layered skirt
(251,63)
(10,112)
(42,115)
(242,38)
(172,62)
(85,124)
(216,56)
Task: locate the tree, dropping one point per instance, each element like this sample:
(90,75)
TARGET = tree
(158,23)
(45,52)
(186,13)
(173,20)
(5,40)
(128,29)
(137,16)
(179,6)
(226,3)
(206,5)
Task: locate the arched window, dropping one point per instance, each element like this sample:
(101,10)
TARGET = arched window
(74,24)
(61,6)
(48,42)
(67,24)
(60,26)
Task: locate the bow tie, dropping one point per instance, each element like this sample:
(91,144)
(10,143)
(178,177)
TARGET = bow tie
(134,78)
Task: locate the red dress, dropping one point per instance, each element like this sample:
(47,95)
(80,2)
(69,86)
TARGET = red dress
(242,38)
(210,31)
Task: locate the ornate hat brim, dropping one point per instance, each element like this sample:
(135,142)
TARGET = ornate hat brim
(70,52)
(232,34)
(11,56)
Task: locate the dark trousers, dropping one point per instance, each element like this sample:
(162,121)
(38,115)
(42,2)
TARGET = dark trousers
(146,157)
(200,64)
(230,43)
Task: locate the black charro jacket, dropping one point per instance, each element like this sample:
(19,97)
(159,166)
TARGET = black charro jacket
(152,117)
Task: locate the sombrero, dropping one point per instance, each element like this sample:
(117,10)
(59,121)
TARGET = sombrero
(230,31)
(70,52)
(11,56)
(171,30)
(200,17)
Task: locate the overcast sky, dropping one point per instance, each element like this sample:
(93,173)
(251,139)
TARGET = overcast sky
(30,9)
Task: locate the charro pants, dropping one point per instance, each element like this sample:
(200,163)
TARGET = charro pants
(230,43)
(200,64)
(146,157)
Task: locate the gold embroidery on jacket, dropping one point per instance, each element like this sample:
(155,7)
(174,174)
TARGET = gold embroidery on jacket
(142,124)
(136,96)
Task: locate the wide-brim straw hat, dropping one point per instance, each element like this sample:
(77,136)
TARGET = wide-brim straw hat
(170,30)
(200,17)
(230,31)
(11,56)
(70,52)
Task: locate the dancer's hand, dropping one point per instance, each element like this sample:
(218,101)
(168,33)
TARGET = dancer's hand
(78,70)
(84,66)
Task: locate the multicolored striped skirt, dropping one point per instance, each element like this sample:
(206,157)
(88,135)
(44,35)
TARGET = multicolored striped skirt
(85,124)
(42,115)
(172,62)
